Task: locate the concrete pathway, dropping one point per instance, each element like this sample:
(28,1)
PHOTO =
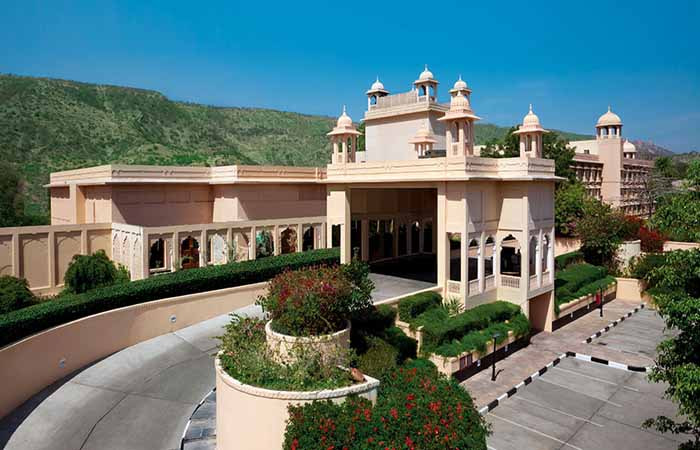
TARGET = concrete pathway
(140,397)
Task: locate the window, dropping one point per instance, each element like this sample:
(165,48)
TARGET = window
(586,152)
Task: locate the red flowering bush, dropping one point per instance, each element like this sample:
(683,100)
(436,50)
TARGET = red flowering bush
(314,301)
(416,409)
(652,241)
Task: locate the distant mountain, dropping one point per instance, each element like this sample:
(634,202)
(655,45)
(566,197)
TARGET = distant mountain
(685,157)
(48,125)
(649,150)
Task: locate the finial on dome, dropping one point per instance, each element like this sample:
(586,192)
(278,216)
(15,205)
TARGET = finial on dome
(343,109)
(609,108)
(530,107)
(426,67)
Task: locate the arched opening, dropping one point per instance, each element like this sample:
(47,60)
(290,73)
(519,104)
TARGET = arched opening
(156,255)
(473,261)
(356,237)
(189,253)
(510,256)
(373,100)
(403,239)
(308,239)
(264,244)
(532,256)
(489,250)
(375,240)
(455,241)
(423,91)
(415,237)
(288,240)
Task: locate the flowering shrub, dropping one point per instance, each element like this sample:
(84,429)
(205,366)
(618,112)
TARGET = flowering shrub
(245,356)
(652,241)
(416,409)
(317,300)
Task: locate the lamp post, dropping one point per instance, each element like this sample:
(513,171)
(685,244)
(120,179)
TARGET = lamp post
(493,366)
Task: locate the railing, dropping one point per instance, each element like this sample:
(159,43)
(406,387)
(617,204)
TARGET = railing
(533,282)
(489,282)
(404,98)
(453,287)
(510,281)
(473,287)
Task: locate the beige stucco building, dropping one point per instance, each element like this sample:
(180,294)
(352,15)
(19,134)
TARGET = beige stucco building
(609,169)
(483,227)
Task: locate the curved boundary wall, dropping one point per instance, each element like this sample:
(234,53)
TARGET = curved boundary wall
(32,364)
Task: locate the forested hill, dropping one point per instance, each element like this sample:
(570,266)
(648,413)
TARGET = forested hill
(48,125)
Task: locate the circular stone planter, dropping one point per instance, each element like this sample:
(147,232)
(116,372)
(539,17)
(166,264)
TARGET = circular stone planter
(253,418)
(284,347)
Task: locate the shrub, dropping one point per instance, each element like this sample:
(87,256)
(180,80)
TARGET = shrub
(379,359)
(631,225)
(442,329)
(563,261)
(314,301)
(422,364)
(641,267)
(14,294)
(414,305)
(416,408)
(405,346)
(246,358)
(571,279)
(652,241)
(86,272)
(21,323)
(477,340)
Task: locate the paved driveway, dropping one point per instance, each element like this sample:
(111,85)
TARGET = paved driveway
(138,398)
(581,405)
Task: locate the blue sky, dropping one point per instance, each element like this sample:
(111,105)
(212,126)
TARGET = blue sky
(570,59)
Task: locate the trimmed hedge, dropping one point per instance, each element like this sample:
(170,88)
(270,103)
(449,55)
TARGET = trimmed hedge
(563,261)
(571,279)
(439,328)
(414,305)
(26,321)
(477,340)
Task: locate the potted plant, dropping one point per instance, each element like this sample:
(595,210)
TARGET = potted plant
(310,309)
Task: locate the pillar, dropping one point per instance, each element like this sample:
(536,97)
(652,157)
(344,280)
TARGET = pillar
(252,244)
(460,126)
(175,263)
(538,258)
(441,244)
(481,269)
(364,239)
(464,248)
(345,229)
(203,249)
(550,256)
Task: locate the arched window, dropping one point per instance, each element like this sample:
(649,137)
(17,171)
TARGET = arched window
(473,261)
(189,253)
(308,240)
(288,240)
(510,256)
(264,244)
(532,257)
(455,240)
(489,250)
(156,255)
(545,252)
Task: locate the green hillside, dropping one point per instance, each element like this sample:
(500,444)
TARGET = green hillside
(49,125)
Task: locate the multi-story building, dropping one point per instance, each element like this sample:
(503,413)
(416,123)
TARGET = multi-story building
(485,225)
(609,168)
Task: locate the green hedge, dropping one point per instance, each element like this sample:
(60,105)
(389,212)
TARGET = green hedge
(571,279)
(643,265)
(477,340)
(414,305)
(563,261)
(439,328)
(26,321)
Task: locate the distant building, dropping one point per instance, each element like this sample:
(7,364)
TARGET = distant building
(609,169)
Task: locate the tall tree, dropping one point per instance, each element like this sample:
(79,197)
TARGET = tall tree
(11,200)
(556,148)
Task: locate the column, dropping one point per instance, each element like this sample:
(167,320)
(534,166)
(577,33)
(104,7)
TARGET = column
(175,239)
(51,263)
(481,270)
(395,236)
(300,237)
(364,239)
(460,125)
(252,244)
(145,252)
(448,138)
(497,261)
(15,255)
(550,256)
(421,238)
(441,244)
(344,156)
(464,248)
(345,230)
(335,151)
(231,247)
(538,259)
(203,249)
(276,241)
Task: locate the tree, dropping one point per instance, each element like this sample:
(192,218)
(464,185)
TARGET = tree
(14,294)
(600,229)
(556,148)
(11,200)
(570,201)
(87,272)
(678,360)
(692,175)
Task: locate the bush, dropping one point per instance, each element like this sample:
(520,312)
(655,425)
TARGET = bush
(563,261)
(477,340)
(379,359)
(421,364)
(641,267)
(416,408)
(414,305)
(438,328)
(405,346)
(21,323)
(86,272)
(246,358)
(571,279)
(14,294)
(652,241)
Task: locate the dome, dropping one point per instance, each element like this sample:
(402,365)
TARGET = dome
(531,119)
(377,86)
(344,120)
(460,84)
(426,74)
(609,118)
(459,102)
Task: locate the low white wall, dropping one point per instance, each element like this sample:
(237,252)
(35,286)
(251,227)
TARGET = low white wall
(29,365)
(670,246)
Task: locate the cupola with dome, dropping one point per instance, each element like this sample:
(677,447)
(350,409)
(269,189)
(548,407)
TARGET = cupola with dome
(426,85)
(609,125)
(344,139)
(375,92)
(530,133)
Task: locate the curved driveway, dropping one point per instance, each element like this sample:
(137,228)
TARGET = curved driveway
(140,397)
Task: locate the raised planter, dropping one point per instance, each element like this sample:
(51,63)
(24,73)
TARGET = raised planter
(450,365)
(249,417)
(415,334)
(585,301)
(284,347)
